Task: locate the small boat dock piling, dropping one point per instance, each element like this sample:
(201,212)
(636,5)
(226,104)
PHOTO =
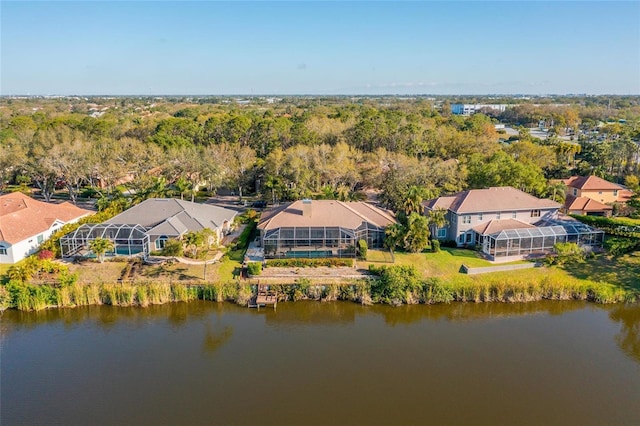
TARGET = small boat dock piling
(264,297)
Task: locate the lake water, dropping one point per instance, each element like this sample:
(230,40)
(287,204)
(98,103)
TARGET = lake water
(322,363)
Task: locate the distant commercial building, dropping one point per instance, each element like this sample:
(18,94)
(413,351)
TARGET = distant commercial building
(470,109)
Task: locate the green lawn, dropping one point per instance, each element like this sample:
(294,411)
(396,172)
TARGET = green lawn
(623,271)
(445,264)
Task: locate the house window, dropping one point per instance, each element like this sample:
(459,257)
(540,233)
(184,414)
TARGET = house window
(3,250)
(575,192)
(615,192)
(468,237)
(466,219)
(514,215)
(479,216)
(40,239)
(498,215)
(600,193)
(535,213)
(442,233)
(461,238)
(161,241)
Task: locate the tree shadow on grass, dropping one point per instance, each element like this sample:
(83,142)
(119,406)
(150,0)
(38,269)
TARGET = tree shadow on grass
(468,253)
(181,274)
(623,271)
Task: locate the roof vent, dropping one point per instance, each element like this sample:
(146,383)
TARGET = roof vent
(306,207)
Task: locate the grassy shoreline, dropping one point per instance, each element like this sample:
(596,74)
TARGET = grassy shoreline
(412,278)
(29,297)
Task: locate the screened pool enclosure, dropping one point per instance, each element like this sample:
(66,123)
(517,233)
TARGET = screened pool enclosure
(127,240)
(522,242)
(314,242)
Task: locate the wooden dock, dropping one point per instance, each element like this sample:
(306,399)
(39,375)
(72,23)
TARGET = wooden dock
(264,297)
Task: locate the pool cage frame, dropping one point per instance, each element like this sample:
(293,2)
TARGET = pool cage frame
(128,240)
(318,241)
(526,241)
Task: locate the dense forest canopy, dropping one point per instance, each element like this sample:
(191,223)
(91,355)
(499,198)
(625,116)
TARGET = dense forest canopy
(333,147)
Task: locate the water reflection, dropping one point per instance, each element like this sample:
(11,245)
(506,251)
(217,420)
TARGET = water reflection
(214,339)
(629,337)
(371,364)
(178,315)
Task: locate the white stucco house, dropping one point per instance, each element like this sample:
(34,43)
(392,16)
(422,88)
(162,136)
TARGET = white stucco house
(25,223)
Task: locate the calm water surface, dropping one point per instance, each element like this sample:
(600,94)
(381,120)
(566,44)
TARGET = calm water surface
(322,363)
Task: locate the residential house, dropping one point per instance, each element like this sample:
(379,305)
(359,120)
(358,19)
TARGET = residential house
(469,209)
(321,228)
(597,189)
(25,223)
(585,206)
(507,223)
(149,225)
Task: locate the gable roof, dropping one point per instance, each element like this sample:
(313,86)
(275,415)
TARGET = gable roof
(585,204)
(170,216)
(496,225)
(22,217)
(591,183)
(497,199)
(325,213)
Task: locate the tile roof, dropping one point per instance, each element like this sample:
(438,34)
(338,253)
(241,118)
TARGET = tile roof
(496,225)
(504,198)
(170,216)
(22,217)
(624,195)
(325,213)
(585,204)
(590,183)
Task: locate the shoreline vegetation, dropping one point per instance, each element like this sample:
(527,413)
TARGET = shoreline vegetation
(398,279)
(394,286)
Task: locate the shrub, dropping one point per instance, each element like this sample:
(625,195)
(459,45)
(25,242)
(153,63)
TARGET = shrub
(254,268)
(45,254)
(172,248)
(309,263)
(435,246)
(617,246)
(567,253)
(362,249)
(449,243)
(396,284)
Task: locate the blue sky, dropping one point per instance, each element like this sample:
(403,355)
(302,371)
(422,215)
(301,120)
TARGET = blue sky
(264,47)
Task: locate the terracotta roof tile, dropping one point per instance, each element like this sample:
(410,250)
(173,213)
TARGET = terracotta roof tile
(590,183)
(584,204)
(496,225)
(497,199)
(325,213)
(22,217)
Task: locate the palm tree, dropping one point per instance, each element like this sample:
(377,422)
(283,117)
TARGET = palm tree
(183,186)
(100,246)
(193,240)
(437,218)
(393,235)
(557,191)
(413,202)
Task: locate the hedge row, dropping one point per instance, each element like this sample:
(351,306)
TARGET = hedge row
(614,226)
(309,263)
